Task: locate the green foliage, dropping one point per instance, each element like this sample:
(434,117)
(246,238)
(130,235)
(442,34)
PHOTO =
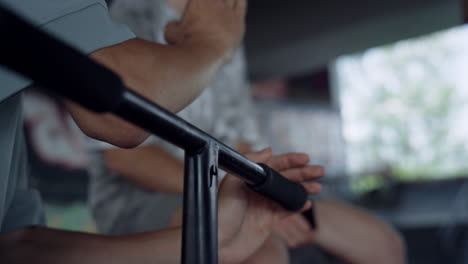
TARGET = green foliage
(402,104)
(365,184)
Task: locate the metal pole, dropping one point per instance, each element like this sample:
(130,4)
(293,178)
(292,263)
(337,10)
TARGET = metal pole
(179,132)
(76,77)
(199,236)
(101,90)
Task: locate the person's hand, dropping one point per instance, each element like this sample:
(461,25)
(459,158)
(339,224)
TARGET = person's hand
(216,26)
(295,231)
(347,232)
(246,219)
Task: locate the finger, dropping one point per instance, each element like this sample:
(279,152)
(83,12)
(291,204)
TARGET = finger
(313,188)
(171,32)
(288,161)
(303,174)
(306,207)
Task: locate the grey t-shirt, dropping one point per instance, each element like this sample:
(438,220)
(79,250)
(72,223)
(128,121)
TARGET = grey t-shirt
(19,206)
(84,24)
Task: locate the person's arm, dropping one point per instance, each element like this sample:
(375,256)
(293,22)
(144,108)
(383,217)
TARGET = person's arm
(170,75)
(347,232)
(48,246)
(245,238)
(150,167)
(245,223)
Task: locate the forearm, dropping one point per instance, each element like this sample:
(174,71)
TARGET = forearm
(150,167)
(43,245)
(172,76)
(355,236)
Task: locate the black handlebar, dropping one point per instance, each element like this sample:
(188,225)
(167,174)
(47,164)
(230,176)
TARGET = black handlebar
(62,69)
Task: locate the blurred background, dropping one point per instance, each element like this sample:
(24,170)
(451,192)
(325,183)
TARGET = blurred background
(375,91)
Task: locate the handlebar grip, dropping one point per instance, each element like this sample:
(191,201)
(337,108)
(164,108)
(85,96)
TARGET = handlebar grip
(291,195)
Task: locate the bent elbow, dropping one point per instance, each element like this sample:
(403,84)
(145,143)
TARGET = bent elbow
(125,138)
(107,127)
(131,142)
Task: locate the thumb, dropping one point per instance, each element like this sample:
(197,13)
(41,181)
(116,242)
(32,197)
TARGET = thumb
(172,32)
